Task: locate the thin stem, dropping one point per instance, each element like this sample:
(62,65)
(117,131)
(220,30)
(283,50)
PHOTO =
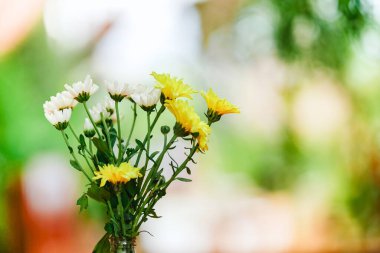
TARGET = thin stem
(90,144)
(77,138)
(107,137)
(156,198)
(162,109)
(89,165)
(92,120)
(133,124)
(158,162)
(121,213)
(144,189)
(112,216)
(165,140)
(148,142)
(74,157)
(182,166)
(119,157)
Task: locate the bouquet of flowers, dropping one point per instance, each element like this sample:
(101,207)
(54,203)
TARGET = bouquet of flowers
(123,172)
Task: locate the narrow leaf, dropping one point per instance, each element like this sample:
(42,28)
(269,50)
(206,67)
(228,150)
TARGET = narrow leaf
(75,165)
(183,179)
(98,193)
(82,140)
(103,246)
(100,145)
(83,202)
(140,144)
(154,154)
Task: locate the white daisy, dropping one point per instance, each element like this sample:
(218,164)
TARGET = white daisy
(81,91)
(146,96)
(88,128)
(60,101)
(59,118)
(109,105)
(96,112)
(118,91)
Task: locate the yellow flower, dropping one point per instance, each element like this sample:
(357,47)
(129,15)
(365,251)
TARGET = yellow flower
(218,105)
(188,122)
(122,174)
(184,114)
(204,131)
(172,87)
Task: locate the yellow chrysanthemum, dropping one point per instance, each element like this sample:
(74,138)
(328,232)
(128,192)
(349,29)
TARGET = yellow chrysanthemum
(172,87)
(189,121)
(204,131)
(184,114)
(218,105)
(122,174)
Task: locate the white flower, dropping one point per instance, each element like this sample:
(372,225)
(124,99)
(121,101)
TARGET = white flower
(109,105)
(81,91)
(59,118)
(60,101)
(88,125)
(96,112)
(146,96)
(88,128)
(118,91)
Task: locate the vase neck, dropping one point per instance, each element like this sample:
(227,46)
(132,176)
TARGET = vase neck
(122,245)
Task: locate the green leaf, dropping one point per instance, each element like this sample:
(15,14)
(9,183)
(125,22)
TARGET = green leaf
(98,193)
(188,170)
(82,140)
(103,246)
(113,136)
(103,153)
(100,145)
(140,144)
(75,165)
(183,179)
(109,228)
(130,190)
(154,154)
(153,214)
(83,202)
(130,153)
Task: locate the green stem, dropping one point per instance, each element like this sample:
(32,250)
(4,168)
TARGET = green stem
(182,166)
(119,157)
(148,142)
(156,198)
(144,189)
(74,156)
(162,109)
(133,124)
(121,213)
(107,137)
(89,165)
(77,138)
(90,144)
(112,216)
(92,120)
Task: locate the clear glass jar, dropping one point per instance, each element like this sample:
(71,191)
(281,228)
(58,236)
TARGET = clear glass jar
(122,245)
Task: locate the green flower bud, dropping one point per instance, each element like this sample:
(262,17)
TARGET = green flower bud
(165,129)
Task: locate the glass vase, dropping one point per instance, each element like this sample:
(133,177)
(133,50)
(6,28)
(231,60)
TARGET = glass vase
(122,245)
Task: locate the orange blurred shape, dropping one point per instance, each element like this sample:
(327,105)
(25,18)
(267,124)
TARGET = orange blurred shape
(43,215)
(17,19)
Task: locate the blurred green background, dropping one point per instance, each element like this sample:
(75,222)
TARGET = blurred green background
(304,73)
